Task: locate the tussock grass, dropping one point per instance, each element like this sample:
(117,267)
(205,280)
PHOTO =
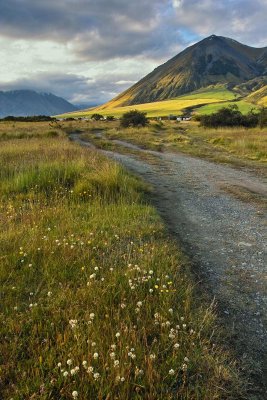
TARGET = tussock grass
(96,301)
(221,144)
(22,130)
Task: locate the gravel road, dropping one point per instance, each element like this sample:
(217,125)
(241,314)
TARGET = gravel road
(225,237)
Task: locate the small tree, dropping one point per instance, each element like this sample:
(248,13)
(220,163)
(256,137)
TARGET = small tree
(134,118)
(97,117)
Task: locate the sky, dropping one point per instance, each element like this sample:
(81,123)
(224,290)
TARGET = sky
(88,51)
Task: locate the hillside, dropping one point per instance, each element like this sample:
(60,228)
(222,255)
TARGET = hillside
(204,101)
(259,96)
(28,102)
(214,60)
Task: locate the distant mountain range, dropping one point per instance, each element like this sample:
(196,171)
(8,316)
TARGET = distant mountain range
(214,60)
(27,103)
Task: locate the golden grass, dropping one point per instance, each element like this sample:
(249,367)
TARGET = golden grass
(222,144)
(162,108)
(96,301)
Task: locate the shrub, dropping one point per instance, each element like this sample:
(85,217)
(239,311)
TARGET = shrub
(134,118)
(97,117)
(230,116)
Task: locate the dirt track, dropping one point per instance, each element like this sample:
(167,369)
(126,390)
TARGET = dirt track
(225,236)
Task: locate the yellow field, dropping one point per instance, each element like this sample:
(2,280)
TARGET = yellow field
(163,108)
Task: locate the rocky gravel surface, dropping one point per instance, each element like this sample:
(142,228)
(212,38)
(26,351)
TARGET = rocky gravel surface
(225,237)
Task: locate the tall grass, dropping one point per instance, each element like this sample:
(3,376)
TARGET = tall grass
(223,144)
(21,130)
(96,301)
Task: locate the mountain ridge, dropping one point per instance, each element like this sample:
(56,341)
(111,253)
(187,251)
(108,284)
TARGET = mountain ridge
(25,102)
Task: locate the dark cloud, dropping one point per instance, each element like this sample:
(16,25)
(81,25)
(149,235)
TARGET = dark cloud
(74,88)
(243,20)
(105,29)
(94,30)
(137,32)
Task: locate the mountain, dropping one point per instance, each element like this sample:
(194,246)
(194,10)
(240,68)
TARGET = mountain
(27,102)
(214,60)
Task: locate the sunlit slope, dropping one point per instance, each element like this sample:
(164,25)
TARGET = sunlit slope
(164,108)
(244,106)
(214,60)
(259,96)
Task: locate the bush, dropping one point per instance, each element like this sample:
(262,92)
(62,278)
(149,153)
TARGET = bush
(134,118)
(97,117)
(230,116)
(110,118)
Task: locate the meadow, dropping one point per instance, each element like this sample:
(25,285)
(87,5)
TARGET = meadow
(97,302)
(203,101)
(228,145)
(176,106)
(244,106)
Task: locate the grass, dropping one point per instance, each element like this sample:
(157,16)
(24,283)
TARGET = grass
(96,301)
(163,108)
(244,106)
(231,145)
(20,130)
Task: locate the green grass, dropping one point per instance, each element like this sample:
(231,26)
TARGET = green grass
(94,296)
(163,108)
(244,106)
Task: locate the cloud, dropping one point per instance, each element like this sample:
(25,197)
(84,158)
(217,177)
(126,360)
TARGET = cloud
(93,30)
(90,50)
(75,88)
(243,20)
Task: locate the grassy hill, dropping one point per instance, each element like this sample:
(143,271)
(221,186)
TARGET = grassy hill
(244,107)
(259,96)
(211,98)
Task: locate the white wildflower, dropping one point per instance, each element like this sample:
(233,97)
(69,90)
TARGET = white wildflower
(96,376)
